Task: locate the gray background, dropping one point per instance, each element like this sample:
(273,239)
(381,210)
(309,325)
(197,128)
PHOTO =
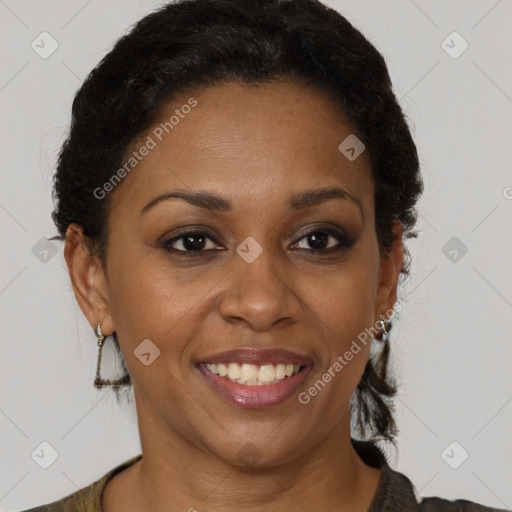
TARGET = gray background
(452,350)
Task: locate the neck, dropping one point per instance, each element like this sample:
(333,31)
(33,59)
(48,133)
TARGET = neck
(176,475)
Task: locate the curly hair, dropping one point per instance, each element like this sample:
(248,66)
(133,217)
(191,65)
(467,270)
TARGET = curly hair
(206,42)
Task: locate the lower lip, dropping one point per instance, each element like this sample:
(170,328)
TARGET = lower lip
(255,396)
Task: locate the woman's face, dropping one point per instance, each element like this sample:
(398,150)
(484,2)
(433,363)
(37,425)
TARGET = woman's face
(232,276)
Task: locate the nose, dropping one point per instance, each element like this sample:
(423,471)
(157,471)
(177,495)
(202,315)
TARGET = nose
(260,294)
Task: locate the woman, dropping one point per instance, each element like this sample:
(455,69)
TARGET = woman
(234,195)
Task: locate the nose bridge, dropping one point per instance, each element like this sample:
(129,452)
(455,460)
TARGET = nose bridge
(259,291)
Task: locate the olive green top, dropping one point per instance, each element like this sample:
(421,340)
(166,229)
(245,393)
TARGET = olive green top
(87,499)
(395,491)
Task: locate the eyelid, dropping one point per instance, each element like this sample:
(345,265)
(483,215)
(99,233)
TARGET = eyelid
(326,227)
(192,229)
(344,240)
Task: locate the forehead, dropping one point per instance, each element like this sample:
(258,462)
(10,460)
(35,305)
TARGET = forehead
(248,142)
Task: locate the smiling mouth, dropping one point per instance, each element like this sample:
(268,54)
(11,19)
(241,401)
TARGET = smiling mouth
(254,375)
(255,378)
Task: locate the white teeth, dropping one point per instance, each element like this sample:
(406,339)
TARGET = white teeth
(252,375)
(234,371)
(266,373)
(249,372)
(280,371)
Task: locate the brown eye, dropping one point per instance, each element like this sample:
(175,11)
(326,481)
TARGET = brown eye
(318,240)
(325,241)
(190,242)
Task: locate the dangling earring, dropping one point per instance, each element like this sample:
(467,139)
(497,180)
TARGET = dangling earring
(385,327)
(99,382)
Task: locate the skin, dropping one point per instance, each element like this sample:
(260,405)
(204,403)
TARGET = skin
(254,146)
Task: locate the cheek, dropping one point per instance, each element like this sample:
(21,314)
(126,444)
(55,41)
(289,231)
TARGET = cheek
(350,293)
(346,310)
(346,313)
(151,299)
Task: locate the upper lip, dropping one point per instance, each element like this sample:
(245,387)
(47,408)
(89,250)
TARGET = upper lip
(257,357)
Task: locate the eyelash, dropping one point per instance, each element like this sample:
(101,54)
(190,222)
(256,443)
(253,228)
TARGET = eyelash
(344,242)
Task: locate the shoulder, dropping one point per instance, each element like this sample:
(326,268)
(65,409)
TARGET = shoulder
(80,501)
(396,492)
(433,504)
(87,499)
(404,489)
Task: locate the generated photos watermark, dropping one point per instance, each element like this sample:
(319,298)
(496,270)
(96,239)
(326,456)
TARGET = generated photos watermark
(151,142)
(342,360)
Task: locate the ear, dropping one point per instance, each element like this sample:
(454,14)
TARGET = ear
(389,272)
(88,280)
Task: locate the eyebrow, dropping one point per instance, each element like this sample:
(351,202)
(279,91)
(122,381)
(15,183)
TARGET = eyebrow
(299,201)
